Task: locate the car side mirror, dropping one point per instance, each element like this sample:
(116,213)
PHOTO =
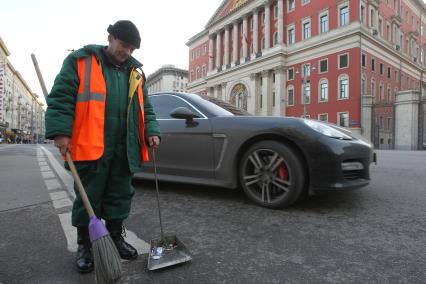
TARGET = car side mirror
(183,113)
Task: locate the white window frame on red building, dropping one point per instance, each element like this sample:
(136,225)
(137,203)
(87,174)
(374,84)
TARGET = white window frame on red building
(339,119)
(290,88)
(320,90)
(322,14)
(339,15)
(339,95)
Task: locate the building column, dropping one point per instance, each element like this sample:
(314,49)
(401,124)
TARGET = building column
(253,94)
(223,92)
(235,43)
(265,100)
(407,120)
(218,48)
(366,117)
(280,92)
(211,53)
(255,32)
(267,25)
(226,49)
(280,21)
(244,39)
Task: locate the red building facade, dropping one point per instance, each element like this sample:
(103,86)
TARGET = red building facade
(339,61)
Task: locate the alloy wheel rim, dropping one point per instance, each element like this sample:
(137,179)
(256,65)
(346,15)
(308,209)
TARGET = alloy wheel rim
(266,175)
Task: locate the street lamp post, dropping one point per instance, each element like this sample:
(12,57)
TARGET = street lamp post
(306,74)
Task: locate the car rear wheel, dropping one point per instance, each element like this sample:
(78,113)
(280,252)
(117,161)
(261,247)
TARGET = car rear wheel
(272,174)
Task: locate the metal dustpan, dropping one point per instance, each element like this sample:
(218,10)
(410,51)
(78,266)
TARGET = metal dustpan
(167,250)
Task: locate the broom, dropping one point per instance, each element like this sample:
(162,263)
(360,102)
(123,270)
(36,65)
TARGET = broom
(106,258)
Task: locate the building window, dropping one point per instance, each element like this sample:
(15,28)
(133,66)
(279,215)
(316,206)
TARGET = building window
(291,5)
(389,73)
(343,119)
(323,89)
(290,96)
(382,93)
(291,35)
(323,65)
(275,38)
(192,75)
(364,60)
(343,88)
(204,71)
(205,49)
(307,29)
(344,15)
(304,2)
(290,74)
(197,73)
(381,68)
(362,14)
(389,95)
(276,11)
(323,117)
(343,61)
(324,23)
(373,65)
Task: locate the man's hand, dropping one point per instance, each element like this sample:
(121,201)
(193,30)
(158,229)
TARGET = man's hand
(63,143)
(153,141)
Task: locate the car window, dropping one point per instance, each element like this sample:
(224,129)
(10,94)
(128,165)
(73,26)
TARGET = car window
(164,104)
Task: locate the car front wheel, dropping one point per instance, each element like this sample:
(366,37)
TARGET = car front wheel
(272,174)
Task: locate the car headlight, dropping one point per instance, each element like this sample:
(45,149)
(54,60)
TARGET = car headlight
(326,130)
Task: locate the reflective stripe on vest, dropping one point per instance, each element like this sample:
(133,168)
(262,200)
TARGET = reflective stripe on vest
(144,149)
(87,142)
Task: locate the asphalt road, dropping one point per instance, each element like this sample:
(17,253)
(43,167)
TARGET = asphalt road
(372,235)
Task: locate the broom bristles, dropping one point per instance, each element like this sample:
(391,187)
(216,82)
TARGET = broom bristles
(107,260)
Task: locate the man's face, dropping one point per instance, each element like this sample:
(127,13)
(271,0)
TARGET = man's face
(118,50)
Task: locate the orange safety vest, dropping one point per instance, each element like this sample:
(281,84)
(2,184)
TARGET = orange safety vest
(87,141)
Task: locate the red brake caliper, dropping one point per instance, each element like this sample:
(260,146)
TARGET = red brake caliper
(283,172)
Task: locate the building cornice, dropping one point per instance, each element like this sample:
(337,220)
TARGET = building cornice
(3,46)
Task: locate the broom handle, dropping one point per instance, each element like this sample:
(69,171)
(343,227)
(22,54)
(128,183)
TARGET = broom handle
(80,187)
(77,180)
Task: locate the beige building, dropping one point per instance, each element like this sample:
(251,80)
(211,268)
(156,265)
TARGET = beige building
(168,78)
(21,112)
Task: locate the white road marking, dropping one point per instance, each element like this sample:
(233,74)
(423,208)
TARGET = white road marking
(60,200)
(42,164)
(61,172)
(48,174)
(69,231)
(52,184)
(58,195)
(61,203)
(44,168)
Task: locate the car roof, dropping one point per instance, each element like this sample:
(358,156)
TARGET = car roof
(195,97)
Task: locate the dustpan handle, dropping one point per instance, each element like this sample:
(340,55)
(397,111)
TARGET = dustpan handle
(158,192)
(80,187)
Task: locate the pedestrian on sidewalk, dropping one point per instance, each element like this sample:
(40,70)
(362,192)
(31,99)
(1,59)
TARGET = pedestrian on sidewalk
(99,110)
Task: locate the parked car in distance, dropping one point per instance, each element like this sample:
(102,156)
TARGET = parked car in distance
(275,160)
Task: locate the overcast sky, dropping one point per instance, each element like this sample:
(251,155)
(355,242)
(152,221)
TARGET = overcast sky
(49,28)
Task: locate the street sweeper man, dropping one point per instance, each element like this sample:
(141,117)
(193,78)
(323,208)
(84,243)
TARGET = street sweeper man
(99,110)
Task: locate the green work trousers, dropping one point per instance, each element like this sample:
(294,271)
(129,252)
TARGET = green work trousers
(108,186)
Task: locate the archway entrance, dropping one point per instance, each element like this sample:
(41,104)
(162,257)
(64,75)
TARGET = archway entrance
(239,96)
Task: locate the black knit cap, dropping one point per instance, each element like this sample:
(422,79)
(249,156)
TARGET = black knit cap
(126,31)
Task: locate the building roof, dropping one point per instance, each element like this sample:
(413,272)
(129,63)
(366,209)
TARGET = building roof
(227,7)
(166,70)
(3,46)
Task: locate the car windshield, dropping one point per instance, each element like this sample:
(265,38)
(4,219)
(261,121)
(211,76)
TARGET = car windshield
(218,107)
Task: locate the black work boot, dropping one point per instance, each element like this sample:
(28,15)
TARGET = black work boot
(116,230)
(84,251)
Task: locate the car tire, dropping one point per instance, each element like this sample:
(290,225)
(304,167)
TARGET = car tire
(272,174)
